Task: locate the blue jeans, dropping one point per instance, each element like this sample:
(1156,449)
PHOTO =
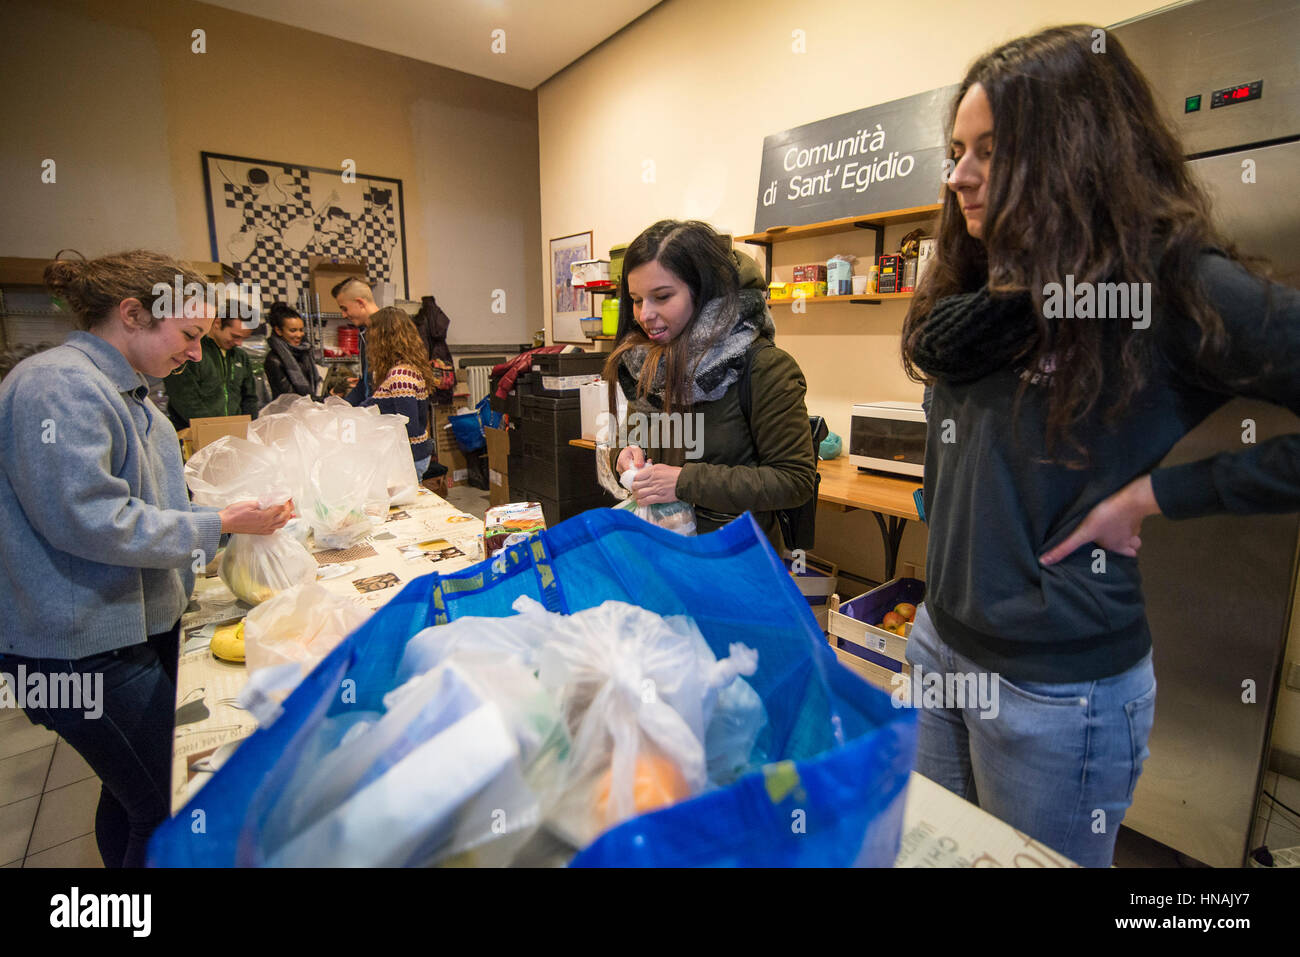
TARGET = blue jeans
(1058,762)
(422,466)
(129,746)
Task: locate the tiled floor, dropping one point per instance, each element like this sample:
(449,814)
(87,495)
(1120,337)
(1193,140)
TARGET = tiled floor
(48,796)
(468,499)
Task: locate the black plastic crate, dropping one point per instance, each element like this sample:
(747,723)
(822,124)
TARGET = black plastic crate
(571,474)
(557,510)
(544,403)
(539,425)
(571,363)
(562,380)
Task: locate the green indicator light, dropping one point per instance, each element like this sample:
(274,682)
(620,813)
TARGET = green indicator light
(1193,104)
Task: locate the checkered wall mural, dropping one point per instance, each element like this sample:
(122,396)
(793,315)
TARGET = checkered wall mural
(268,218)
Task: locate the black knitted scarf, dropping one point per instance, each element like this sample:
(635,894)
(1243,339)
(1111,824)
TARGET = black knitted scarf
(971,335)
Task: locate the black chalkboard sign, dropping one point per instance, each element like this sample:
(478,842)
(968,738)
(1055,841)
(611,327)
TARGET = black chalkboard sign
(881,158)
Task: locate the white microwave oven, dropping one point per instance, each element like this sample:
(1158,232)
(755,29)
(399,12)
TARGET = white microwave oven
(888,436)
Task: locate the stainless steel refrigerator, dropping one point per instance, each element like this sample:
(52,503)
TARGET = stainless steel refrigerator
(1220,590)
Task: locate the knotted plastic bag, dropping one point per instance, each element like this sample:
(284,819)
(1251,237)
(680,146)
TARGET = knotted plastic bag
(254,567)
(675,516)
(300,625)
(637,692)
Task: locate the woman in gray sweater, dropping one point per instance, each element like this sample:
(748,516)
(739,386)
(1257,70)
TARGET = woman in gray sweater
(101,542)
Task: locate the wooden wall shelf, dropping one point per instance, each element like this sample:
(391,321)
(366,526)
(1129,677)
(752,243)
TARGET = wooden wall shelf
(867,298)
(781,234)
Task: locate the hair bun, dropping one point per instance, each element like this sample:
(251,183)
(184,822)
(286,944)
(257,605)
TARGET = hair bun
(65,278)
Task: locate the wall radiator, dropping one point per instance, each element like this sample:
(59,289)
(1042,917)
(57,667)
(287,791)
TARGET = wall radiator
(478,383)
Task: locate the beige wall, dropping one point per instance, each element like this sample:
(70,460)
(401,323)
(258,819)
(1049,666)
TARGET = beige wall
(113,93)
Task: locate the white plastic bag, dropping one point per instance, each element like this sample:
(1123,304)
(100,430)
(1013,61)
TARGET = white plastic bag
(254,567)
(520,636)
(408,812)
(301,625)
(676,516)
(403,483)
(637,691)
(336,490)
(407,781)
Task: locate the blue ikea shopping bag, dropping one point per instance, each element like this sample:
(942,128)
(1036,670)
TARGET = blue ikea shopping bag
(468,430)
(839,754)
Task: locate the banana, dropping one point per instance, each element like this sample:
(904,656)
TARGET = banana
(228,643)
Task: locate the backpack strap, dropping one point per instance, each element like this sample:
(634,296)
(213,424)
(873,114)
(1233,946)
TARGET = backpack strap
(746,390)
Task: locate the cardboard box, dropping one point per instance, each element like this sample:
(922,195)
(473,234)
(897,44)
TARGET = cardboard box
(327,272)
(807,290)
(498,452)
(443,439)
(888,281)
(457,466)
(924,256)
(204,432)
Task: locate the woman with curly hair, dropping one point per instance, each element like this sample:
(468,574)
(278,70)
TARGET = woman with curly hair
(401,366)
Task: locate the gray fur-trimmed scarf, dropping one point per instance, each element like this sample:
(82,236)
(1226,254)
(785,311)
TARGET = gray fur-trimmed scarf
(719,367)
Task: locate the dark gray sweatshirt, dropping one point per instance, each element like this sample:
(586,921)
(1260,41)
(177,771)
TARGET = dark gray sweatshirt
(993,507)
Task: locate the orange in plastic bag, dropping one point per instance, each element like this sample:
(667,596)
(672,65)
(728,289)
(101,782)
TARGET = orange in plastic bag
(658,783)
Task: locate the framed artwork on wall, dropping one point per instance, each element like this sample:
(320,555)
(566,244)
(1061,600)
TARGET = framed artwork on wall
(569,306)
(265,218)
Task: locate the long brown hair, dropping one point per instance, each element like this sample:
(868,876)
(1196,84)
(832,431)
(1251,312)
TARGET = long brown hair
(93,288)
(1087,179)
(391,340)
(698,256)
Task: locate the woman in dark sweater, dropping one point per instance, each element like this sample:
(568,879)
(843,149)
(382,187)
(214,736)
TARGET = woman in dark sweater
(289,365)
(401,368)
(1048,421)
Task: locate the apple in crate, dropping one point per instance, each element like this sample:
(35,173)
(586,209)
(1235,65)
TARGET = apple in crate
(893,621)
(907,610)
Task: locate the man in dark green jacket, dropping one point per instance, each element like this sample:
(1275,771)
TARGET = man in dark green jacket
(221,383)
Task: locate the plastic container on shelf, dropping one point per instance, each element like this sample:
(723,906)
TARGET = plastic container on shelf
(609,316)
(616,254)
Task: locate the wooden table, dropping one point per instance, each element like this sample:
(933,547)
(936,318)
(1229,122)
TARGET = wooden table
(887,497)
(209,723)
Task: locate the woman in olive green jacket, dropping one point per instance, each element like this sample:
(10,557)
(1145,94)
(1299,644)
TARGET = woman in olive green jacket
(692,314)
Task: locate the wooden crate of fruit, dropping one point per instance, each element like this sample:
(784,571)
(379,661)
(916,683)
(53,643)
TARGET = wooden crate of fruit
(858,633)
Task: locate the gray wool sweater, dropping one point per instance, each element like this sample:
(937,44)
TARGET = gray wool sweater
(99,536)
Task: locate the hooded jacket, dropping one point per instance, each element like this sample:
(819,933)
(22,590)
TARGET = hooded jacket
(727,472)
